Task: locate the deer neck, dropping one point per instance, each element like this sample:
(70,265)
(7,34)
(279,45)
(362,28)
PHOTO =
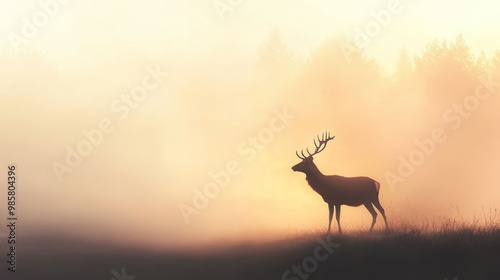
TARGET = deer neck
(315,178)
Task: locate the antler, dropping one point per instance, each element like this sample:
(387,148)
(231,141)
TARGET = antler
(325,137)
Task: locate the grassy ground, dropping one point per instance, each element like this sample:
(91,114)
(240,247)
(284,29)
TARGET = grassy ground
(406,253)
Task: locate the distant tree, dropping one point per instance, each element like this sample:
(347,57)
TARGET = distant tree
(431,61)
(337,72)
(440,58)
(404,70)
(482,65)
(338,87)
(276,69)
(446,72)
(461,54)
(274,55)
(495,64)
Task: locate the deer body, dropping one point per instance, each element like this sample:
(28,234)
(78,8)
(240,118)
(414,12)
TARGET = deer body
(351,191)
(338,190)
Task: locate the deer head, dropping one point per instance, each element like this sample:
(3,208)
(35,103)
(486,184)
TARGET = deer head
(307,164)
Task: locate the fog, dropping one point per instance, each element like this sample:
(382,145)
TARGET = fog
(167,124)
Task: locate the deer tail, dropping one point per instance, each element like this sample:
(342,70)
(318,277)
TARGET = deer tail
(377,186)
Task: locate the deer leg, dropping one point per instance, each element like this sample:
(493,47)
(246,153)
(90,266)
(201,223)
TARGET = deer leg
(337,215)
(369,206)
(330,210)
(382,211)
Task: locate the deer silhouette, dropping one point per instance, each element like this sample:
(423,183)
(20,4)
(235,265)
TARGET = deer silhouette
(338,190)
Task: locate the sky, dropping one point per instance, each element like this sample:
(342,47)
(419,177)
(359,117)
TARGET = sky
(160,26)
(194,121)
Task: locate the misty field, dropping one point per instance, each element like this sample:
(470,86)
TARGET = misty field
(458,252)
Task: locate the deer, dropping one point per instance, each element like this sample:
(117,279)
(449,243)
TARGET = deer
(338,190)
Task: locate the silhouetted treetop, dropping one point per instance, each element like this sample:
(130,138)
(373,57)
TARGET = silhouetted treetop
(404,70)
(274,54)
